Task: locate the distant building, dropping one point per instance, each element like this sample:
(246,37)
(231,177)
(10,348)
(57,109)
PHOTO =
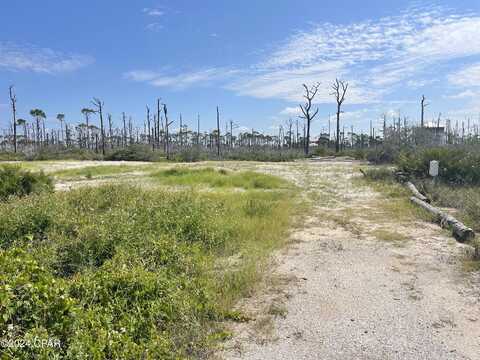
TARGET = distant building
(431,135)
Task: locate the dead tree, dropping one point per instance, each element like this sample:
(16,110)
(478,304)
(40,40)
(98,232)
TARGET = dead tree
(110,133)
(149,138)
(424,105)
(167,124)
(124,134)
(157,140)
(218,132)
(339,91)
(310,94)
(86,112)
(99,105)
(13,100)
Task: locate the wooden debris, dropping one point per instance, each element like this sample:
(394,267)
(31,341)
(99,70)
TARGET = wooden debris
(417,193)
(459,230)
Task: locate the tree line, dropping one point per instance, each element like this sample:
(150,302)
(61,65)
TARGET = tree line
(97,132)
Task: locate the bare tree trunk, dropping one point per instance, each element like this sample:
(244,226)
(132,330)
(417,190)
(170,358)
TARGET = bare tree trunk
(218,132)
(339,91)
(310,94)
(13,100)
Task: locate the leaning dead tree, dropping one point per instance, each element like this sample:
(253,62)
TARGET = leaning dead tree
(306,108)
(339,91)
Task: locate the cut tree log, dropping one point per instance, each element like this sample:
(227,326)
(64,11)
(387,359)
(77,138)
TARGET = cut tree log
(459,230)
(417,193)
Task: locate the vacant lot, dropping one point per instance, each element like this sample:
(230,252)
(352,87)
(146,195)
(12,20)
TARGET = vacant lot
(164,260)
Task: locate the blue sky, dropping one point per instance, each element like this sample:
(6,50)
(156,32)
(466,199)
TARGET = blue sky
(248,57)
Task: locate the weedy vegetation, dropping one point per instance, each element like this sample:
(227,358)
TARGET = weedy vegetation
(15,181)
(219,178)
(122,272)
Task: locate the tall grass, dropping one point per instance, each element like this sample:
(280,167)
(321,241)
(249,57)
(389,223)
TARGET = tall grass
(121,272)
(219,178)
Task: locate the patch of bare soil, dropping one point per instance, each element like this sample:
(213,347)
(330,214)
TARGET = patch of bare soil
(356,282)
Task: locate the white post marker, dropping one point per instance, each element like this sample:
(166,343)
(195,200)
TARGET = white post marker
(433,168)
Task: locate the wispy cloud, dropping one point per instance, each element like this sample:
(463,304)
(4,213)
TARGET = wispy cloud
(155,27)
(468,76)
(15,57)
(376,56)
(379,54)
(153,11)
(180,81)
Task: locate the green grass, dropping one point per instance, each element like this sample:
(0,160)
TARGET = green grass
(219,178)
(15,181)
(124,272)
(394,237)
(97,171)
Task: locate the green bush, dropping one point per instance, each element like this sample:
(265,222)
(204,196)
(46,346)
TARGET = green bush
(10,156)
(134,153)
(117,272)
(17,182)
(59,153)
(457,165)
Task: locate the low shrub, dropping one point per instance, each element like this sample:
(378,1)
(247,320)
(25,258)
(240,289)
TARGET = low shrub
(379,174)
(17,182)
(134,153)
(10,156)
(457,165)
(59,153)
(117,272)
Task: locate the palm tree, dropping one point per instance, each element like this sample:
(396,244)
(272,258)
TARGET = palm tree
(87,112)
(61,118)
(38,115)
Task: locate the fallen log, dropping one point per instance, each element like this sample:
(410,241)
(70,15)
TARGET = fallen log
(417,193)
(459,230)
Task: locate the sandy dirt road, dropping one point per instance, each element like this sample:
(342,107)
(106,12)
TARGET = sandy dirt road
(361,279)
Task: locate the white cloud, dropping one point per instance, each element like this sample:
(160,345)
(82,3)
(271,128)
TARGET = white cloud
(153,12)
(155,27)
(16,57)
(417,84)
(379,54)
(180,81)
(374,56)
(467,94)
(469,76)
(291,111)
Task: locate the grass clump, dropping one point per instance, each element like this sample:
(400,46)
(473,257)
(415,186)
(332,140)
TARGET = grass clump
(17,182)
(121,272)
(219,178)
(379,174)
(96,171)
(394,237)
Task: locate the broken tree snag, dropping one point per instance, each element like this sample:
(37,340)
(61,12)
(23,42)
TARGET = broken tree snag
(417,193)
(459,230)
